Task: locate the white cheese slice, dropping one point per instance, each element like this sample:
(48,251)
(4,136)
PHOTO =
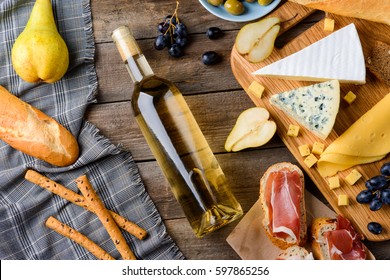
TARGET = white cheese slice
(338,56)
(314,107)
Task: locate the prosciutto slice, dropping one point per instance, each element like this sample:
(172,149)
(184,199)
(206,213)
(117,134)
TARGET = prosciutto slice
(344,243)
(283,196)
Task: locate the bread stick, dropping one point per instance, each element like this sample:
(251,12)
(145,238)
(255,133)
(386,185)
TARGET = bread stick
(94,202)
(78,237)
(79,200)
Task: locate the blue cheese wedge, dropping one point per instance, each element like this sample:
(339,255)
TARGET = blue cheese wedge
(339,56)
(315,107)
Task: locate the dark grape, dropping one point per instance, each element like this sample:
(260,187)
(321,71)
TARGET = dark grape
(181,30)
(175,51)
(163,27)
(168,40)
(385,196)
(385,169)
(375,204)
(170,19)
(159,42)
(210,57)
(365,196)
(374,227)
(377,182)
(214,33)
(181,41)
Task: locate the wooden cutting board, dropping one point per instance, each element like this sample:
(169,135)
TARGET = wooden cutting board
(367,96)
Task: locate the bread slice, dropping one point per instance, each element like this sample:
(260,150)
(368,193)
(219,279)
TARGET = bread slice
(295,253)
(378,61)
(374,10)
(289,241)
(318,228)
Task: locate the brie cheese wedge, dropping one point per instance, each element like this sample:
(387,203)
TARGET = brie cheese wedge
(315,107)
(338,56)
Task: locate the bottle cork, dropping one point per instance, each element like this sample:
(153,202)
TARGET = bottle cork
(125,42)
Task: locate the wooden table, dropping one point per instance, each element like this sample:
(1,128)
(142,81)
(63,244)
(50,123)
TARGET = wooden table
(212,93)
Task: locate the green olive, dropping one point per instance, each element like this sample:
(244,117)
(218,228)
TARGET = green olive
(264,2)
(234,7)
(215,2)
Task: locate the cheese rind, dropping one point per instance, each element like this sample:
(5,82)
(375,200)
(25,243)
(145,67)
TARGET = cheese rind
(315,106)
(338,56)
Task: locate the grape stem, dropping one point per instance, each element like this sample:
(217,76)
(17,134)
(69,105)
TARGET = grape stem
(172,26)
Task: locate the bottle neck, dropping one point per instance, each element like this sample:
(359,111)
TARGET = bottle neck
(135,61)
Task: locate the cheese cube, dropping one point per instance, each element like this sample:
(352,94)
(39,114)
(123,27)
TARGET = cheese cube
(310,160)
(349,97)
(304,150)
(334,182)
(329,24)
(256,89)
(293,130)
(318,148)
(343,200)
(353,177)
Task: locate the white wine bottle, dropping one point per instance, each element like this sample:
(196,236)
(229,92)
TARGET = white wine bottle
(178,144)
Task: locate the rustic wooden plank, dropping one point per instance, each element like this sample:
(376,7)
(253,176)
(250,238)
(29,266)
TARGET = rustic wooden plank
(144,17)
(210,247)
(188,73)
(216,115)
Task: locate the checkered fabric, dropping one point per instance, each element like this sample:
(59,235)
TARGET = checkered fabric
(24,207)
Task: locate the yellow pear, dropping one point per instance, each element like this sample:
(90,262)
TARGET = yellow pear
(252,129)
(256,40)
(40,53)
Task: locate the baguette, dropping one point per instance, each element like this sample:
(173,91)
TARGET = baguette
(343,244)
(295,253)
(32,132)
(318,229)
(373,10)
(296,219)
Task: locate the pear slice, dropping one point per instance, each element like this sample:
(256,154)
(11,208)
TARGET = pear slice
(250,34)
(252,129)
(264,47)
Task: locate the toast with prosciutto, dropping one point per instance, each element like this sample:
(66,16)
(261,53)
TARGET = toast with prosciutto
(336,239)
(282,200)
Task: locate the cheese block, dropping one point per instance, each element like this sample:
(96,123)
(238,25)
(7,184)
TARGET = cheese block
(314,107)
(338,56)
(365,141)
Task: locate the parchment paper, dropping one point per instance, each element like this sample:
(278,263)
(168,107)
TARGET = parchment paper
(250,241)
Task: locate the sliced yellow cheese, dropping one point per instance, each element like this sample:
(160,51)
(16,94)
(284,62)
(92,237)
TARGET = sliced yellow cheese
(329,24)
(256,89)
(304,150)
(343,200)
(310,160)
(334,182)
(318,148)
(365,141)
(293,130)
(353,177)
(349,97)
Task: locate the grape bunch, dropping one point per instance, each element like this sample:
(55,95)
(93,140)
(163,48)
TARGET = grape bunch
(173,35)
(376,194)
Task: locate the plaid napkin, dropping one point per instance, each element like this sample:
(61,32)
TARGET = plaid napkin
(24,207)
